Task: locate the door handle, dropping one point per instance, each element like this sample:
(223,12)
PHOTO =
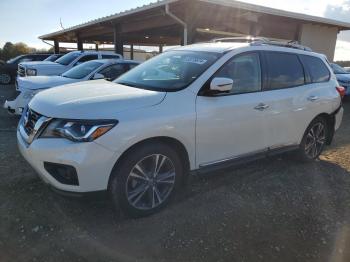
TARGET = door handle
(261,107)
(312,98)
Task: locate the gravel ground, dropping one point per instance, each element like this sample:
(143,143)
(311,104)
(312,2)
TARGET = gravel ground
(271,210)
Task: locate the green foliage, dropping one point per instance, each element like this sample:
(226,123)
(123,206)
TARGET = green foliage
(11,50)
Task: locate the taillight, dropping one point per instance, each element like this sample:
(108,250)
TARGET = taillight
(341,90)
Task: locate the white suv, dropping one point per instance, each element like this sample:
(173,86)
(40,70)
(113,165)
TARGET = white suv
(191,109)
(62,64)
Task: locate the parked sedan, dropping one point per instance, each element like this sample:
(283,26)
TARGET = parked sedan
(343,77)
(28,87)
(8,70)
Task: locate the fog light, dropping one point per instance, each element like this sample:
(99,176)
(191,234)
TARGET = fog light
(62,173)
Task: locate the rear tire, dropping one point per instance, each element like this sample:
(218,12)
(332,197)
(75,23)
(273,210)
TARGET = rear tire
(5,78)
(145,179)
(314,140)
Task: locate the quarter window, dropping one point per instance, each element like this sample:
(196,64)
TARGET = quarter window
(316,68)
(283,70)
(245,72)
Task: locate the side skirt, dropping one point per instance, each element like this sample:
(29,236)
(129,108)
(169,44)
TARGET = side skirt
(229,163)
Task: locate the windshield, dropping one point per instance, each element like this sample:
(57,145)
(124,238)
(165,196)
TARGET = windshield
(170,71)
(68,58)
(337,69)
(82,70)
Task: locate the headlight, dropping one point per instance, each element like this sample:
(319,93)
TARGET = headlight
(78,130)
(31,72)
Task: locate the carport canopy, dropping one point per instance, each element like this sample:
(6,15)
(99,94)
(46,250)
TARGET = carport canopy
(175,22)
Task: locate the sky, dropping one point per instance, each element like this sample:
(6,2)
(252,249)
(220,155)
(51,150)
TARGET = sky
(24,21)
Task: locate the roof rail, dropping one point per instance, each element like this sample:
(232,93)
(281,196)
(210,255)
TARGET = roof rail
(240,39)
(263,41)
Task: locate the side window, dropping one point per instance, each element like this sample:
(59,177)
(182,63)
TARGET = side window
(86,58)
(317,69)
(113,71)
(25,59)
(39,58)
(109,56)
(131,66)
(245,72)
(283,70)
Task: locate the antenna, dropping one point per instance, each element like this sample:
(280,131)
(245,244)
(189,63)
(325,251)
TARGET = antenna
(61,23)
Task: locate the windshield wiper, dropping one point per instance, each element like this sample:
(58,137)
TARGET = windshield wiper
(126,84)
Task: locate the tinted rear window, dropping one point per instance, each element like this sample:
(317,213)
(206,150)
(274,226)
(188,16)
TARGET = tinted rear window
(317,69)
(283,70)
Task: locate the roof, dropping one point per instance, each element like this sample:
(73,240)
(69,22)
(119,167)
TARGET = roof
(210,47)
(229,3)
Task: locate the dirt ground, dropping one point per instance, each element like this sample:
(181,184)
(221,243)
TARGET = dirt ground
(270,210)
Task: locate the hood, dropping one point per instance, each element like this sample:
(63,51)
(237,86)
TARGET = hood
(343,77)
(96,99)
(41,82)
(39,63)
(45,65)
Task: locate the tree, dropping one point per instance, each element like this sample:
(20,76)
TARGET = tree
(11,50)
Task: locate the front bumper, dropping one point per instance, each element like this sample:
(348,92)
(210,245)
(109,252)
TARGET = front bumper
(15,107)
(93,162)
(338,118)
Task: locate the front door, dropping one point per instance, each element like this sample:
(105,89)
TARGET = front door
(231,125)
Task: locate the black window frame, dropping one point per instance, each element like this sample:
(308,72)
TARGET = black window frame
(308,73)
(266,70)
(204,90)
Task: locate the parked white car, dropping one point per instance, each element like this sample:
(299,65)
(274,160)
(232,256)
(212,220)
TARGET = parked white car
(28,87)
(216,104)
(62,64)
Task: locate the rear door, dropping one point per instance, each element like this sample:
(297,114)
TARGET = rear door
(293,101)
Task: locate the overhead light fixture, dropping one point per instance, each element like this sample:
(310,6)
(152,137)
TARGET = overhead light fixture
(207,29)
(146,37)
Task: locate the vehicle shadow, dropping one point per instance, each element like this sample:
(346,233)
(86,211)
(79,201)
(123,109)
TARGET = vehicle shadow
(276,202)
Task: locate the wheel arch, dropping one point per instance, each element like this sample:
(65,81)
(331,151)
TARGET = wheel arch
(173,142)
(330,120)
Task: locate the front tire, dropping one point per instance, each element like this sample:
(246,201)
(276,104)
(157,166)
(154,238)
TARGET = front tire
(314,140)
(5,78)
(146,179)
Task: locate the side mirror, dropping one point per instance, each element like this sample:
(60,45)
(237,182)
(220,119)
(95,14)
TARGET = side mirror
(98,76)
(221,84)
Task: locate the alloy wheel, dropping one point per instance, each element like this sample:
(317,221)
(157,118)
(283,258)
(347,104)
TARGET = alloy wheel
(150,182)
(315,140)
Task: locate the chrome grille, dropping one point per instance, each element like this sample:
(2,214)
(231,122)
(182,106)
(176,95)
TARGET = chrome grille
(30,119)
(31,124)
(21,71)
